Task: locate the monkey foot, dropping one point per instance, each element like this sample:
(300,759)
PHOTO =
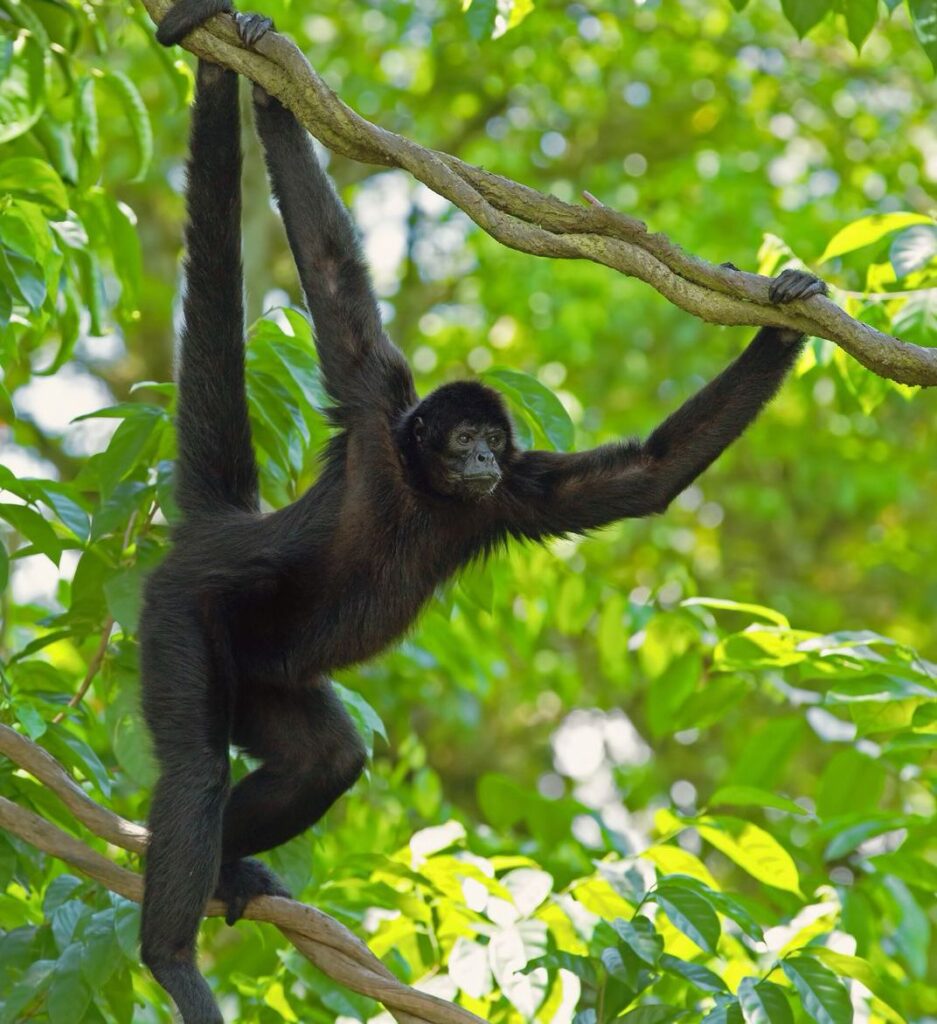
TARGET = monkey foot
(790,285)
(253,27)
(241,880)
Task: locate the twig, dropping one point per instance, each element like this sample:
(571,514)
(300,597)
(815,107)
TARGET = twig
(321,939)
(543,225)
(93,666)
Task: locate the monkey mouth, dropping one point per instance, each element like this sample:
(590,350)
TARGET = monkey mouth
(481,485)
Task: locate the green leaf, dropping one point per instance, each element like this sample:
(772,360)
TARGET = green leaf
(34,180)
(641,938)
(469,967)
(804,14)
(702,977)
(652,1015)
(137,117)
(25,277)
(25,230)
(100,953)
(912,935)
(4,568)
(916,320)
(924,19)
(538,401)
(862,971)
(851,782)
(724,904)
(30,525)
(752,796)
(481,18)
(726,1011)
(87,131)
(670,690)
(60,498)
(22,87)
(69,994)
(763,1002)
(860,20)
(723,604)
(366,718)
(126,447)
(821,992)
(127,928)
(691,913)
(739,5)
(124,594)
(913,249)
(868,230)
(754,850)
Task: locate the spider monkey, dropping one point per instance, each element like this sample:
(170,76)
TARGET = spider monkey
(249,612)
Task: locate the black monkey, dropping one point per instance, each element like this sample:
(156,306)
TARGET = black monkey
(249,612)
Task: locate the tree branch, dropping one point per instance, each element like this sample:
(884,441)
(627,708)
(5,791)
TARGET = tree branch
(529,221)
(325,942)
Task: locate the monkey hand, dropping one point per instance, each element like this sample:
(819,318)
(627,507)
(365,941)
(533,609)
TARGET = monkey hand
(241,880)
(252,28)
(791,285)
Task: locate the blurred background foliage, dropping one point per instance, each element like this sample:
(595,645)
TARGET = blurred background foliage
(680,769)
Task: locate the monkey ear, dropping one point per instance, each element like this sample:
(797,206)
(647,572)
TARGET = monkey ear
(419,429)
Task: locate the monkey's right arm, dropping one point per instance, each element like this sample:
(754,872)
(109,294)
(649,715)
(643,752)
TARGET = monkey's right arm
(362,368)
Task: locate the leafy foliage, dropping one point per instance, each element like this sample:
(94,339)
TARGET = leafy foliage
(594,793)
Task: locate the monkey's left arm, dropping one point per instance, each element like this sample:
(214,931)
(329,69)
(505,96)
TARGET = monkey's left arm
(553,493)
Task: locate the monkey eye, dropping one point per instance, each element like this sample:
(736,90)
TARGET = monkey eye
(464,438)
(496,439)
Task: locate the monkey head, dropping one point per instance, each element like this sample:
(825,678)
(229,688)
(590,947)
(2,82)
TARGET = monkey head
(459,441)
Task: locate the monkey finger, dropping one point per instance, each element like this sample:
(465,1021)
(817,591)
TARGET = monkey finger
(791,285)
(253,27)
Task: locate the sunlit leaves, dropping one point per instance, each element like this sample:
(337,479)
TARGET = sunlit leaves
(867,231)
(804,14)
(689,912)
(913,249)
(753,849)
(480,17)
(22,85)
(916,321)
(860,20)
(924,19)
(138,118)
(763,1002)
(539,407)
(821,992)
(34,180)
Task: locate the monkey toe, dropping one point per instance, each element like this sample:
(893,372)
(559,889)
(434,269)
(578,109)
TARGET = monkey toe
(729,266)
(253,27)
(791,285)
(240,881)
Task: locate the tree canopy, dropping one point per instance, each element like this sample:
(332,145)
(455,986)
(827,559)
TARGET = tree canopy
(680,770)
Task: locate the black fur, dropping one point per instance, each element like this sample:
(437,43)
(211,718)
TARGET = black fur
(249,613)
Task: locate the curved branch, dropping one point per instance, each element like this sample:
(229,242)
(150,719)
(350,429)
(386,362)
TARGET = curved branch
(321,939)
(529,221)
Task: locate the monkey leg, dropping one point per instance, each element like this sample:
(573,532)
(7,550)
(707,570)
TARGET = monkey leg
(311,754)
(188,719)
